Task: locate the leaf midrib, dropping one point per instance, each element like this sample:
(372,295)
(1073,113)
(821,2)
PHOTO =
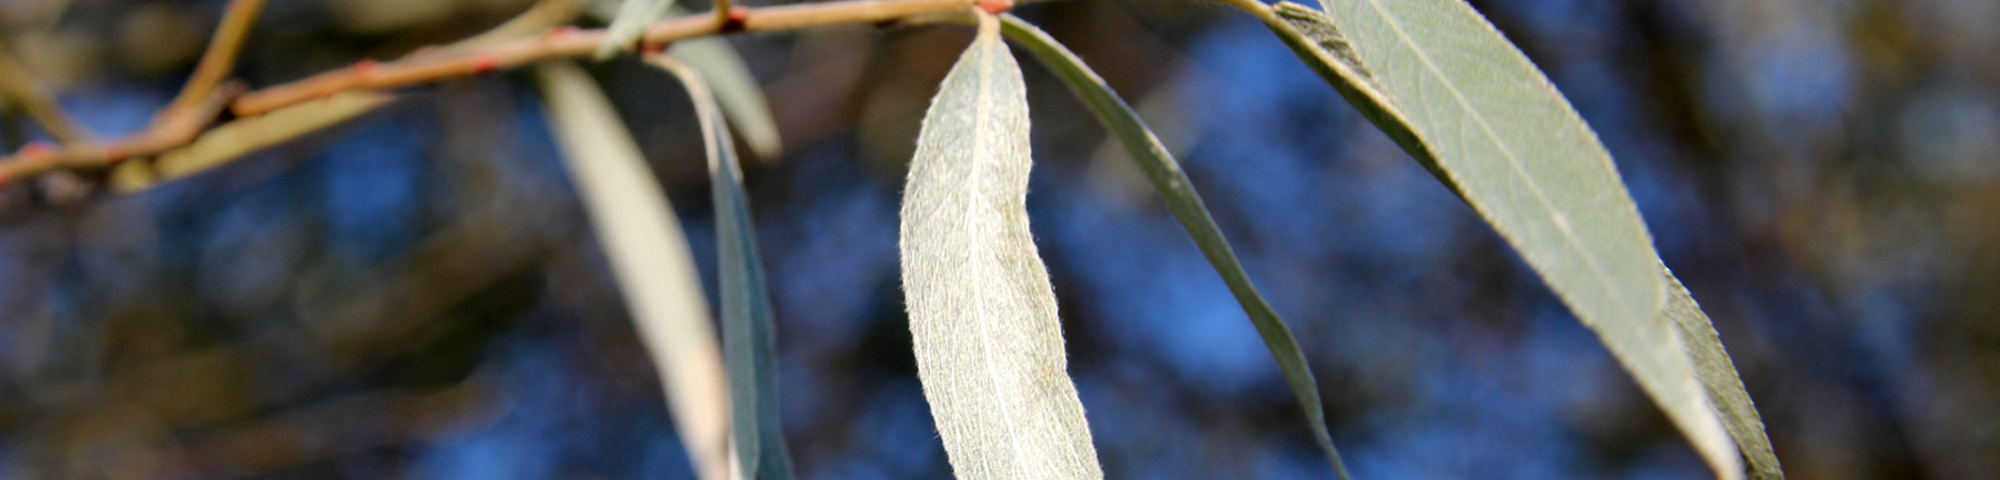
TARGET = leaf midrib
(982,106)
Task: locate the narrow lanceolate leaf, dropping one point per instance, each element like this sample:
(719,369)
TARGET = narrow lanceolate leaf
(1316,40)
(1173,186)
(736,90)
(1719,378)
(748,334)
(630,24)
(982,314)
(1452,91)
(649,257)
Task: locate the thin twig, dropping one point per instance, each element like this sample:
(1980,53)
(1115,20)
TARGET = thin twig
(167,134)
(426,67)
(20,87)
(422,69)
(220,59)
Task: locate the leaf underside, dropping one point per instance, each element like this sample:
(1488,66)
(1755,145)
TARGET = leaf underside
(1174,187)
(748,332)
(1450,89)
(649,258)
(983,321)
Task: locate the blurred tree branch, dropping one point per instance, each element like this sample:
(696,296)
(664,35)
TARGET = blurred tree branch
(20,88)
(434,65)
(220,58)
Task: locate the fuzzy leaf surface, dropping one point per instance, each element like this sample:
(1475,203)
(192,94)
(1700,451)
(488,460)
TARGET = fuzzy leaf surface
(989,347)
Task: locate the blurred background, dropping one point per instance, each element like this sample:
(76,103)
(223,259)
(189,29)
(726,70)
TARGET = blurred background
(418,294)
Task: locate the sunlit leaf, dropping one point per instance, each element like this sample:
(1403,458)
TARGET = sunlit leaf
(982,313)
(1173,186)
(630,24)
(1445,85)
(748,335)
(649,257)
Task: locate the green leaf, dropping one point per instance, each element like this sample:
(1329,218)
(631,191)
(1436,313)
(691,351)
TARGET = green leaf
(1315,39)
(1445,85)
(630,24)
(1719,378)
(1173,186)
(982,313)
(649,257)
(748,334)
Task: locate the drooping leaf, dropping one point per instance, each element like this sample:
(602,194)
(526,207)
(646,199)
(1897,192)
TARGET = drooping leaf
(982,313)
(1720,380)
(741,97)
(630,24)
(1175,188)
(1445,85)
(736,90)
(649,257)
(748,334)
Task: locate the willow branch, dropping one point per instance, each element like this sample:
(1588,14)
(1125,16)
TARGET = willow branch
(436,65)
(168,133)
(570,43)
(20,87)
(220,59)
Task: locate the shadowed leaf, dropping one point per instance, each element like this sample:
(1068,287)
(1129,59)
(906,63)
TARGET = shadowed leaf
(1173,186)
(749,339)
